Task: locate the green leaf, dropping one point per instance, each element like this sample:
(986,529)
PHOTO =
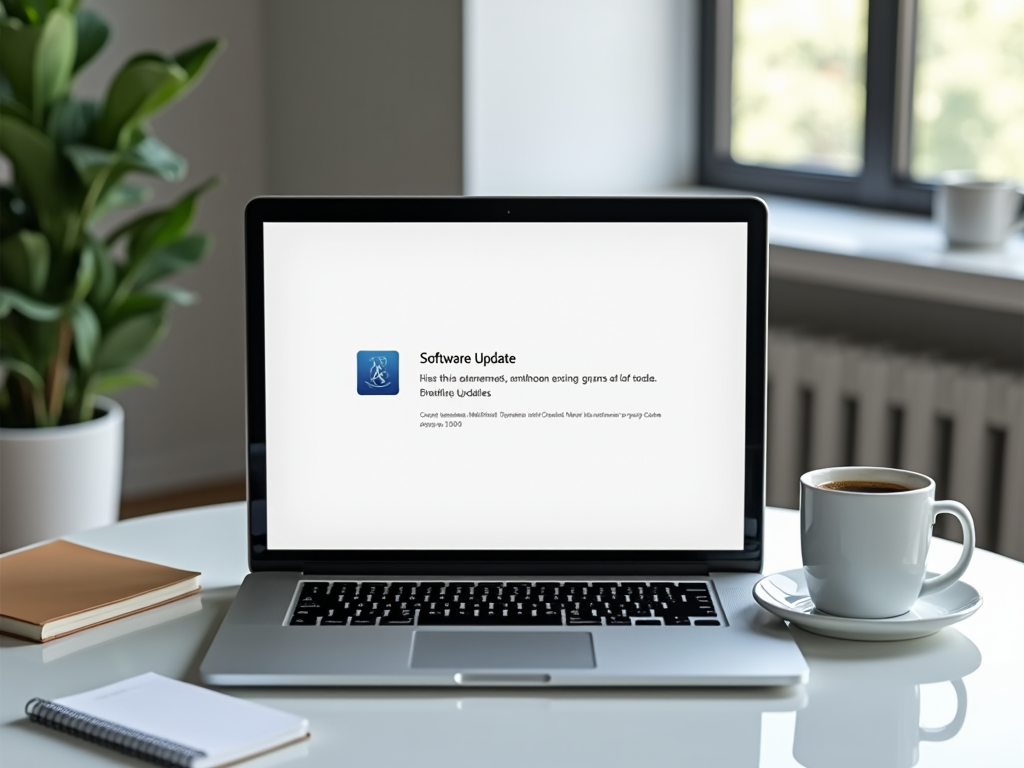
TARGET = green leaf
(129,340)
(85,327)
(43,338)
(25,262)
(106,277)
(34,11)
(174,294)
(16,57)
(15,301)
(70,120)
(10,106)
(195,60)
(162,227)
(11,341)
(132,305)
(119,196)
(88,160)
(93,32)
(14,212)
(143,86)
(172,258)
(53,61)
(23,369)
(85,275)
(36,161)
(153,156)
(150,155)
(112,381)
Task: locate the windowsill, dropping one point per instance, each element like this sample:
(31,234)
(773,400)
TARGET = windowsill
(885,252)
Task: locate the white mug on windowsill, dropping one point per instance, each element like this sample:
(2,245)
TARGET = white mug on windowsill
(977,213)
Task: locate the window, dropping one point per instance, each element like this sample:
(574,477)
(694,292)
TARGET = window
(860,101)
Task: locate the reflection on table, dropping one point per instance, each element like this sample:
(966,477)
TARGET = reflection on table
(864,701)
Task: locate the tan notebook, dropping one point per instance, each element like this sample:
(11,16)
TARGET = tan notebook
(59,588)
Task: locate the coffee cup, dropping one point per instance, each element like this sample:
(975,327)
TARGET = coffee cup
(865,534)
(975,212)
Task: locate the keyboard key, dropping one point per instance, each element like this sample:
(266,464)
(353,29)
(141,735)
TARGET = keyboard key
(314,589)
(303,621)
(707,623)
(398,617)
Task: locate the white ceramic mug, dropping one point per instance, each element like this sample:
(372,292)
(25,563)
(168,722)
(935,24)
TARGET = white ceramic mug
(864,553)
(975,212)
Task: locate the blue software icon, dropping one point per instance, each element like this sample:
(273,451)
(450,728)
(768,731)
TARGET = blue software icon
(377,373)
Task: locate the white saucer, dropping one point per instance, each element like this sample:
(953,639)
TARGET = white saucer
(785,595)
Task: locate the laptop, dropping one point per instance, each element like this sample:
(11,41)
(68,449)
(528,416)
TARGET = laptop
(504,442)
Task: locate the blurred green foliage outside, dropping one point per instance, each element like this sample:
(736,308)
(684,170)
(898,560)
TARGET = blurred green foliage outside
(969,88)
(798,83)
(798,94)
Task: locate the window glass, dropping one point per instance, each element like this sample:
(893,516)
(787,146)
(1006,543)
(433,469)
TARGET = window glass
(798,84)
(968,107)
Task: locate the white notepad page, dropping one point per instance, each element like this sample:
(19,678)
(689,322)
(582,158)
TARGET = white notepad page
(225,728)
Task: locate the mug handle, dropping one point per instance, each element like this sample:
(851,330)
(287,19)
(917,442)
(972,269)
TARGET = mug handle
(953,727)
(958,510)
(1018,223)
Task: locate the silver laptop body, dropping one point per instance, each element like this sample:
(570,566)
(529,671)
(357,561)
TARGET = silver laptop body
(504,442)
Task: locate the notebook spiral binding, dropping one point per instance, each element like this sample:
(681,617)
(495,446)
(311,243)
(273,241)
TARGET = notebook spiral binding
(108,734)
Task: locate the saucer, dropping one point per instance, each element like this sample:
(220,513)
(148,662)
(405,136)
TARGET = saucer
(785,595)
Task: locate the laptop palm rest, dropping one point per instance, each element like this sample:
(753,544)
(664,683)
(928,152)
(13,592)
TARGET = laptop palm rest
(502,650)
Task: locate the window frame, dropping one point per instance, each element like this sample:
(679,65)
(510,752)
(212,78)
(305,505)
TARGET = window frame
(884,180)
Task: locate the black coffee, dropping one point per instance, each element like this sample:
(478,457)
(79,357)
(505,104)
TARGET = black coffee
(864,486)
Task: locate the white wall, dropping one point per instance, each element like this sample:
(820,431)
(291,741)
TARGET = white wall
(191,428)
(580,96)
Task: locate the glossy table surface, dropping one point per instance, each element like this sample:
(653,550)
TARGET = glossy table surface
(953,699)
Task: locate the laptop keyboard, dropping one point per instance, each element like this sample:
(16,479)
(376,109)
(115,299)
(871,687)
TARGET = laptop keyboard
(519,603)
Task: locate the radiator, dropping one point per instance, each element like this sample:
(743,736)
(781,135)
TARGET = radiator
(832,402)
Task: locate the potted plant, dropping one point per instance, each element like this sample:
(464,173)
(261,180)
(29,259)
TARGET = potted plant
(80,302)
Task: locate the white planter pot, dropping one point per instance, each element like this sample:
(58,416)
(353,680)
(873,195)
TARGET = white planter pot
(59,480)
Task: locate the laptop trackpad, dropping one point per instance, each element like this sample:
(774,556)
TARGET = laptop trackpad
(502,650)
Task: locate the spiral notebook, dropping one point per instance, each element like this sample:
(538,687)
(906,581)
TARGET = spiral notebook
(169,722)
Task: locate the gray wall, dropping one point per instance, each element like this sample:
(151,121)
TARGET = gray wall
(364,97)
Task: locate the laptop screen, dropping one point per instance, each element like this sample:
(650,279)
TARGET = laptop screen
(505,385)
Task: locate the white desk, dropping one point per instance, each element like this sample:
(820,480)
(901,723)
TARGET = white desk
(869,705)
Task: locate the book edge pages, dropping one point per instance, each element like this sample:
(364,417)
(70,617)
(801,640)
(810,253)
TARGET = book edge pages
(106,632)
(10,625)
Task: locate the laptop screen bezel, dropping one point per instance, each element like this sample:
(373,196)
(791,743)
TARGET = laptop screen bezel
(748,210)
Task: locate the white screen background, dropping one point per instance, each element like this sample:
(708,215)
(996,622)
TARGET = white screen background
(346,471)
